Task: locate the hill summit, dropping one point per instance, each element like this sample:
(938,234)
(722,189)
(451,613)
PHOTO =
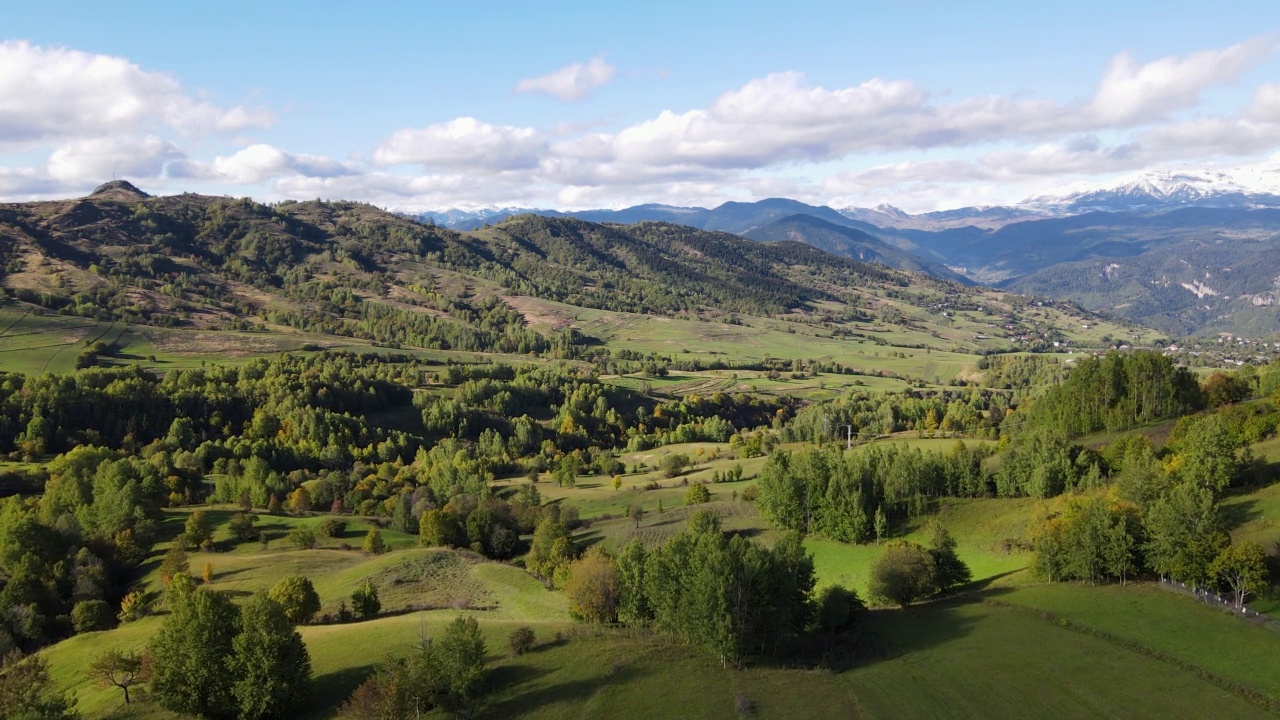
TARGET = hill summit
(118,188)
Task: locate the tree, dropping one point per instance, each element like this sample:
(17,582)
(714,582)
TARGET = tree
(521,640)
(952,571)
(373,542)
(881,523)
(135,605)
(839,610)
(550,548)
(365,602)
(1207,453)
(438,528)
(269,661)
(1242,569)
(297,598)
(1184,534)
(190,652)
(299,501)
(904,573)
(637,512)
(697,494)
(120,669)
(592,587)
(92,615)
(175,562)
(673,464)
(242,527)
(455,668)
(26,691)
(199,528)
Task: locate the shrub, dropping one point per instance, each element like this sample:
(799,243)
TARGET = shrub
(303,538)
(521,640)
(365,602)
(697,494)
(373,542)
(135,606)
(673,464)
(904,572)
(333,527)
(242,526)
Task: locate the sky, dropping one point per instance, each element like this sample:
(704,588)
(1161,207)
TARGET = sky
(573,105)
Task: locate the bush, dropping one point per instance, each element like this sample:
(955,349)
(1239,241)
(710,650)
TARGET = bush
(242,526)
(750,493)
(297,597)
(697,494)
(333,527)
(373,542)
(904,572)
(673,464)
(91,615)
(302,537)
(364,601)
(521,640)
(135,606)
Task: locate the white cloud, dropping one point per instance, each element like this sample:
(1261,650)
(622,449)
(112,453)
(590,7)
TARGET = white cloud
(90,161)
(571,82)
(1130,92)
(259,163)
(1266,103)
(55,93)
(464,143)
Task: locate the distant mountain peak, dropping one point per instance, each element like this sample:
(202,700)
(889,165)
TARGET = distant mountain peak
(118,188)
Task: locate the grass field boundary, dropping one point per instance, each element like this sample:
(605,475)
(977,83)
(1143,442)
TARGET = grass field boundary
(17,320)
(1244,692)
(1217,602)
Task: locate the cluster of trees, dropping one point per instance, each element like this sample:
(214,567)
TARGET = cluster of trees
(1101,537)
(447,672)
(852,497)
(907,571)
(718,591)
(215,659)
(1117,391)
(66,558)
(977,412)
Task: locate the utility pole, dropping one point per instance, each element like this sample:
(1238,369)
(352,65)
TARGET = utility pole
(850,437)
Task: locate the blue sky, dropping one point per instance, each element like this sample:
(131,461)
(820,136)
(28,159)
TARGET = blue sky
(923,105)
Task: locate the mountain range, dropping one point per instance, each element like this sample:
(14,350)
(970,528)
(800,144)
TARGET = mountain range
(1189,252)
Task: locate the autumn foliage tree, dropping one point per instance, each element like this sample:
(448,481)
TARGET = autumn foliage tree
(592,587)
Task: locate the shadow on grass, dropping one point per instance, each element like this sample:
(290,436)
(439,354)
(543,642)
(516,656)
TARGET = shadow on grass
(1236,514)
(511,680)
(330,690)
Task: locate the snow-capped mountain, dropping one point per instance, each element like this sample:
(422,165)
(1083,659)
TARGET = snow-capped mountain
(1251,187)
(458,218)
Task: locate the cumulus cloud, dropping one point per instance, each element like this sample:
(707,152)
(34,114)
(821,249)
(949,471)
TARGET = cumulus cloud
(89,161)
(464,143)
(55,93)
(571,82)
(258,163)
(1130,92)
